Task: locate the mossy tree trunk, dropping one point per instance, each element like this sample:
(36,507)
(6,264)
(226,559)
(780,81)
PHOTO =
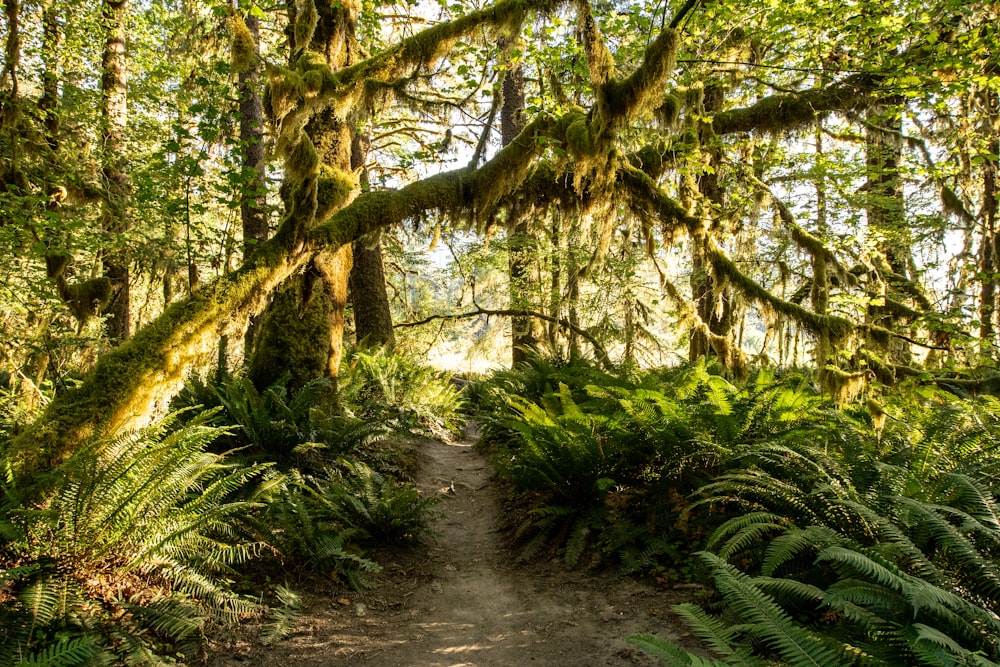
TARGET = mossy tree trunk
(114,217)
(525,331)
(712,301)
(372,313)
(886,214)
(302,330)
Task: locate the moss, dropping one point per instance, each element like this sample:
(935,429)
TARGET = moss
(669,111)
(579,139)
(302,160)
(312,83)
(284,91)
(56,263)
(306,20)
(778,113)
(243,48)
(311,61)
(639,92)
(834,328)
(86,299)
(843,386)
(333,190)
(292,335)
(599,59)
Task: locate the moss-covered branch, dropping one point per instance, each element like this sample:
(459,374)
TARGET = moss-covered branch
(423,49)
(130,381)
(777,113)
(465,192)
(835,328)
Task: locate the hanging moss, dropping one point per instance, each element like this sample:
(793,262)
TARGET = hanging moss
(243,49)
(86,299)
(599,59)
(843,386)
(669,111)
(284,91)
(306,20)
(836,329)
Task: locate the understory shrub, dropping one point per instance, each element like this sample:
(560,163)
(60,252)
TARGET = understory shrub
(396,388)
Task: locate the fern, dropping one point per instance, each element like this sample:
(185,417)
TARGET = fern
(146,509)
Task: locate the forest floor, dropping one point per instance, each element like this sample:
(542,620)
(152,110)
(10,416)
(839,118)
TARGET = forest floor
(461,599)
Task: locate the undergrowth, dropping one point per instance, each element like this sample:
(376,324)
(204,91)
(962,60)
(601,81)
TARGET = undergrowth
(867,534)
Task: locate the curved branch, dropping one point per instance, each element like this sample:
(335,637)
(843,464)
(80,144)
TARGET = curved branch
(602,354)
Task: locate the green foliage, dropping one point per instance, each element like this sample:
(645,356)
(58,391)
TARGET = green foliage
(871,548)
(327,521)
(128,555)
(280,425)
(397,389)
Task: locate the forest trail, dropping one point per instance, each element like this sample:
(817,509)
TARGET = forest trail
(461,601)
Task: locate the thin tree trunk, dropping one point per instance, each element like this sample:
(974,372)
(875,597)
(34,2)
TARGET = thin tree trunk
(115,222)
(988,264)
(48,104)
(524,339)
(253,198)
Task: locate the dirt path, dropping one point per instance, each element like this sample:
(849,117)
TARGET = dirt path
(461,602)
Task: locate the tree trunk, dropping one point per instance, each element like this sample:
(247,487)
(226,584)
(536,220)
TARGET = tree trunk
(48,104)
(302,331)
(252,200)
(988,264)
(886,213)
(521,244)
(712,302)
(114,218)
(372,314)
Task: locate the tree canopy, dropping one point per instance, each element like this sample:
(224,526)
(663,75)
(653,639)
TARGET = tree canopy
(822,173)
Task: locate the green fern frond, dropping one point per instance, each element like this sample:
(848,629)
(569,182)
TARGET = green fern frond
(743,531)
(770,623)
(794,543)
(670,654)
(67,653)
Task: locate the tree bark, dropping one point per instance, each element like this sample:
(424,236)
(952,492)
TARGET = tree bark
(521,244)
(48,104)
(988,255)
(372,314)
(302,331)
(253,198)
(114,218)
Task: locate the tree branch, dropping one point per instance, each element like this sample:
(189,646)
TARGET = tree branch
(599,350)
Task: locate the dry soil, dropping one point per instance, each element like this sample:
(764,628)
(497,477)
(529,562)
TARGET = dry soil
(461,600)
